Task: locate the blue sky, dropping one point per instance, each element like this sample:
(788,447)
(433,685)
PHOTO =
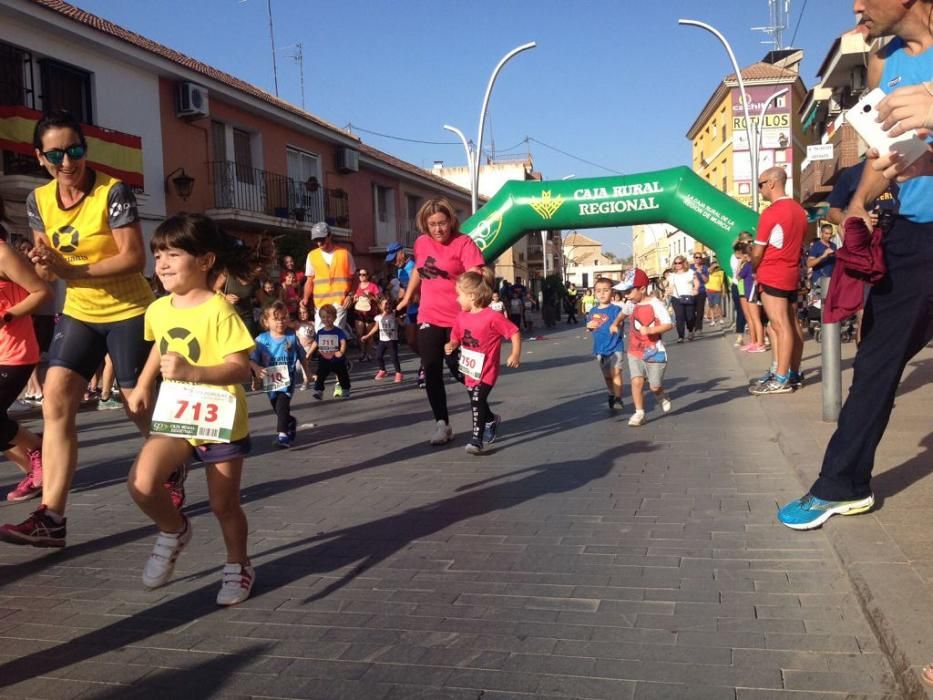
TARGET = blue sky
(614,83)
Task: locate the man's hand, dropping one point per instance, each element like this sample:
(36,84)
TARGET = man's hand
(893,166)
(176,367)
(907,108)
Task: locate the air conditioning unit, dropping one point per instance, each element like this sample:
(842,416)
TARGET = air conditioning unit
(347,160)
(192,101)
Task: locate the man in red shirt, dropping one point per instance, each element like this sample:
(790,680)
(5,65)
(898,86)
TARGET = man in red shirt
(776,260)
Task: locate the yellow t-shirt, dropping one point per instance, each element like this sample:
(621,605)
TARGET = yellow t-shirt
(204,335)
(83,234)
(715,281)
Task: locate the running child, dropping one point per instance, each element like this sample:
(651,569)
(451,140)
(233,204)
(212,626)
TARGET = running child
(478,332)
(608,346)
(387,327)
(201,349)
(331,347)
(275,360)
(304,329)
(647,357)
(498,305)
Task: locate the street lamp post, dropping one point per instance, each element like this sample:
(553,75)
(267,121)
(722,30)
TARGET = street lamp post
(749,128)
(473,156)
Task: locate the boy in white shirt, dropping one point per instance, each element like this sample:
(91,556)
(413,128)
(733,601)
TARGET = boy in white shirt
(647,356)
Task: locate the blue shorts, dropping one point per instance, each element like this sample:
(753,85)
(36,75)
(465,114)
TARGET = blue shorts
(214,452)
(81,346)
(713,298)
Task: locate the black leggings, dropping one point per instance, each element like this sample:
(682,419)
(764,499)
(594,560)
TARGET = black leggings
(431,341)
(482,414)
(282,404)
(700,310)
(12,380)
(338,367)
(390,346)
(684,314)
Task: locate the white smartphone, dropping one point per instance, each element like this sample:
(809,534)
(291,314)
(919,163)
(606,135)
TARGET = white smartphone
(863,117)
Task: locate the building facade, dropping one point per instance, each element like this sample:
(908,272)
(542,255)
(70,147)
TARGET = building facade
(584,261)
(189,137)
(720,150)
(651,249)
(843,81)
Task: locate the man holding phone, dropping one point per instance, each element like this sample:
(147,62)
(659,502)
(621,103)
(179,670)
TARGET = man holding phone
(898,319)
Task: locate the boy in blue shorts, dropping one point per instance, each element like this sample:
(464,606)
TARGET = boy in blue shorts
(608,347)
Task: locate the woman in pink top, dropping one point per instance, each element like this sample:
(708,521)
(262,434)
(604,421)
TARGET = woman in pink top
(21,293)
(442,254)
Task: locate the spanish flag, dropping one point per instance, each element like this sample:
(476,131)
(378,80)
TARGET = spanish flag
(111,152)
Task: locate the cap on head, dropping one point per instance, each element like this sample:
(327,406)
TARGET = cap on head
(633,279)
(392,250)
(320,230)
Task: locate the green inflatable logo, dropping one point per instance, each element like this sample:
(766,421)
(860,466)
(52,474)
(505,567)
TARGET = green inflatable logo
(676,196)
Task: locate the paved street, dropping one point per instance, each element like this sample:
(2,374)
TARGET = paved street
(579,558)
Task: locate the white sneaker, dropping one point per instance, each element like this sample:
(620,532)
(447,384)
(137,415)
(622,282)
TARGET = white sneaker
(161,563)
(442,433)
(665,404)
(738,342)
(237,583)
(638,418)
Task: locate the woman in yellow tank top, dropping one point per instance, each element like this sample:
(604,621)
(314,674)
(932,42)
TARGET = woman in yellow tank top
(87,232)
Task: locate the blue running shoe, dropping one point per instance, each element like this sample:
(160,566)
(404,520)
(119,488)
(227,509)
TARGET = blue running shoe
(810,512)
(283,441)
(763,379)
(491,429)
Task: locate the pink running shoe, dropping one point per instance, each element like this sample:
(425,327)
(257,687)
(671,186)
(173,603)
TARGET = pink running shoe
(758,348)
(381,374)
(31,484)
(398,378)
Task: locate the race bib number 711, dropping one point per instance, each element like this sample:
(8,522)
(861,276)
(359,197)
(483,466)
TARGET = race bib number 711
(194,411)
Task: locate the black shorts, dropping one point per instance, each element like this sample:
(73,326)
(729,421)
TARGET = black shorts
(44,326)
(81,347)
(789,294)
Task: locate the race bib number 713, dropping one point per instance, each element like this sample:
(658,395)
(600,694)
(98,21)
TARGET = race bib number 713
(194,411)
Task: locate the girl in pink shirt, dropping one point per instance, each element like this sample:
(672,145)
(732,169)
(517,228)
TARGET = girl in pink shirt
(478,332)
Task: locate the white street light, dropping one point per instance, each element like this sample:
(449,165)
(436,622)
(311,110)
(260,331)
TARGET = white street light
(749,128)
(482,115)
(473,156)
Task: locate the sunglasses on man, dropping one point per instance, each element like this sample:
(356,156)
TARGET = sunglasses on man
(56,156)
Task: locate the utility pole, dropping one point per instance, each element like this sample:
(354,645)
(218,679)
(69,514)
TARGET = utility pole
(275,70)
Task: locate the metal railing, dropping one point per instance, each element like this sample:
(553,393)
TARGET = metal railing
(250,189)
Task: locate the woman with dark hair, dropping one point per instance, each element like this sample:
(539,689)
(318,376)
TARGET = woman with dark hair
(21,293)
(442,254)
(87,233)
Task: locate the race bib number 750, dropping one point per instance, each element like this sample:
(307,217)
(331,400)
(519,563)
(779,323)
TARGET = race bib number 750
(194,411)
(471,363)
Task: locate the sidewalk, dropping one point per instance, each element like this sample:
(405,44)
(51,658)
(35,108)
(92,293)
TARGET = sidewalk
(887,553)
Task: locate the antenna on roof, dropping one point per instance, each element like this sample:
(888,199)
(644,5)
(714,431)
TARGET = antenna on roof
(296,53)
(778,10)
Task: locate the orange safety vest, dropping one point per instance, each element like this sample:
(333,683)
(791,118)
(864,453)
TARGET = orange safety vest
(331,282)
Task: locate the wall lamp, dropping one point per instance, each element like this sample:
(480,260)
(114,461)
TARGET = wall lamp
(182,183)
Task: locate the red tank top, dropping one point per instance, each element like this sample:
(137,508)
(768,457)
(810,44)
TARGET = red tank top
(18,344)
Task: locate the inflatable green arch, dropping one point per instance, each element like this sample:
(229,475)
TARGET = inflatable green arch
(676,196)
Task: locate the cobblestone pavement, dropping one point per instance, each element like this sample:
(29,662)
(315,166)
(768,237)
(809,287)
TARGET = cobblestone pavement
(579,558)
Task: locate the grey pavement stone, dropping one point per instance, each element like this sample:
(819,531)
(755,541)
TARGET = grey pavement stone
(580,558)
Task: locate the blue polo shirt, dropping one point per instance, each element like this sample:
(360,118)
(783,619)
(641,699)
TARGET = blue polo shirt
(824,268)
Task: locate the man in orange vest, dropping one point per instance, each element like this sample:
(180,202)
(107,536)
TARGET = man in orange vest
(329,273)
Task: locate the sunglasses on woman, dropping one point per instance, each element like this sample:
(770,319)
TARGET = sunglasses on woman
(56,156)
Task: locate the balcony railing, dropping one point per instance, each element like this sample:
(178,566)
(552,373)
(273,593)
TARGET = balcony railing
(236,186)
